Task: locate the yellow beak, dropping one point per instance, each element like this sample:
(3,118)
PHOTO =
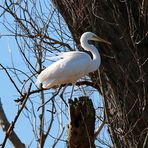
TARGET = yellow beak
(96,38)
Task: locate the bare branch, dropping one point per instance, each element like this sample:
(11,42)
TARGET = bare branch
(4,123)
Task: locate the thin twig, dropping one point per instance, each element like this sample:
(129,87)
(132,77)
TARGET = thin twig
(11,79)
(50,98)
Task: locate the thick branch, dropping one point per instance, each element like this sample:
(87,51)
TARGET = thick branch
(11,126)
(4,123)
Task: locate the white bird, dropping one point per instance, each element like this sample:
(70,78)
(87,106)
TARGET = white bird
(72,65)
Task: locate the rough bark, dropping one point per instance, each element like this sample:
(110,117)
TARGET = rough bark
(124,66)
(82,123)
(4,123)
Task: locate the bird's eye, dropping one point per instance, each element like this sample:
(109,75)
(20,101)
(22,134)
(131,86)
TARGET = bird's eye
(90,41)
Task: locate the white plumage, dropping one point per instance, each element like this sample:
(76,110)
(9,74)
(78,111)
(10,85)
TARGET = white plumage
(72,65)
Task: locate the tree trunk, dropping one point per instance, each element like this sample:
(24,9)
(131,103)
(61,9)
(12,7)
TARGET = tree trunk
(124,66)
(82,123)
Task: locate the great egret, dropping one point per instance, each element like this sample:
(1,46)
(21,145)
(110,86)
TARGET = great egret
(72,65)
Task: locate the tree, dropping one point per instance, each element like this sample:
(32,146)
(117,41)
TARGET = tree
(38,31)
(124,72)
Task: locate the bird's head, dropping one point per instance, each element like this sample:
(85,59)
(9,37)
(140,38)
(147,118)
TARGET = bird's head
(89,36)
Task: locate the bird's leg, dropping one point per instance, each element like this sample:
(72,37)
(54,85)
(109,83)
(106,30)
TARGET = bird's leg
(71,91)
(61,95)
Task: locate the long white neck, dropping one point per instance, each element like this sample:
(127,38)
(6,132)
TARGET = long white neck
(96,56)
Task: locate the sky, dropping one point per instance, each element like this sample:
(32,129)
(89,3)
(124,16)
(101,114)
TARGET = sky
(9,52)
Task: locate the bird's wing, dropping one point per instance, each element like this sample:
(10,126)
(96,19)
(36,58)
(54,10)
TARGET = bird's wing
(65,70)
(63,55)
